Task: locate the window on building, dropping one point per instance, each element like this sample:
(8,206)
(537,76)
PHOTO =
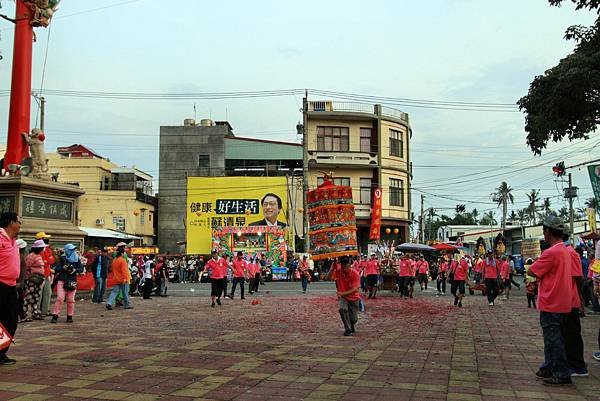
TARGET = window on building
(203,161)
(396,192)
(333,139)
(104,184)
(119,223)
(365,139)
(396,148)
(343,181)
(142,217)
(365,191)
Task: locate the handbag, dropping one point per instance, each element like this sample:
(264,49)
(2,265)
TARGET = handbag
(70,285)
(36,279)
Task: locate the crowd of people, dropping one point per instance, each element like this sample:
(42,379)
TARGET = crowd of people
(560,283)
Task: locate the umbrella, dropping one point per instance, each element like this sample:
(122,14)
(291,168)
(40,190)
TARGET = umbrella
(445,247)
(410,247)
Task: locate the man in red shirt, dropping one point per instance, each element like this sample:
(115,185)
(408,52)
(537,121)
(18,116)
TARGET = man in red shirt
(423,272)
(10,269)
(572,327)
(441,277)
(491,273)
(347,282)
(240,271)
(217,267)
(405,273)
(553,270)
(461,272)
(372,273)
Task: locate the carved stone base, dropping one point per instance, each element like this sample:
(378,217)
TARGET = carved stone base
(44,206)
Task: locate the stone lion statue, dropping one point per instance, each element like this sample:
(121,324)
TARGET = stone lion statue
(39,161)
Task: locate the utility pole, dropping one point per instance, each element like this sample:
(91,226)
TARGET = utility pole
(42,112)
(305,169)
(571,196)
(421,221)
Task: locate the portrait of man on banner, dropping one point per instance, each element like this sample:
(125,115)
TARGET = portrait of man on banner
(271,206)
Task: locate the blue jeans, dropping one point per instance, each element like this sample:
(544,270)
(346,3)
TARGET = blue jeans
(99,289)
(555,357)
(304,283)
(124,290)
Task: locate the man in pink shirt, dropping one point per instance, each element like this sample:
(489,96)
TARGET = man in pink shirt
(217,267)
(347,283)
(572,327)
(553,270)
(491,273)
(372,273)
(423,272)
(461,273)
(442,276)
(240,271)
(505,276)
(405,273)
(10,269)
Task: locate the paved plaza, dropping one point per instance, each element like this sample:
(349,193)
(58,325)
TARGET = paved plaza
(281,345)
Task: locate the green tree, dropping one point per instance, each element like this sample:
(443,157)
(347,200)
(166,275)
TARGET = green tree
(475,215)
(545,209)
(534,198)
(564,102)
(563,213)
(591,203)
(522,216)
(502,196)
(488,219)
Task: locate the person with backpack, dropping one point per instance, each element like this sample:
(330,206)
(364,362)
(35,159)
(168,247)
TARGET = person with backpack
(67,269)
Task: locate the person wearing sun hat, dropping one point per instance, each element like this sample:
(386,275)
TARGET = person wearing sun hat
(67,269)
(49,259)
(34,282)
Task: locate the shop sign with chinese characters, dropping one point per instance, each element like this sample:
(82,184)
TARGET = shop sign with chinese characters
(47,208)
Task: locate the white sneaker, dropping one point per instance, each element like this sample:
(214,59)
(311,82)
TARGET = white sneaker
(491,304)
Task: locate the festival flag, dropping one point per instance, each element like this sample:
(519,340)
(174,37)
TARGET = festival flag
(5,338)
(375,233)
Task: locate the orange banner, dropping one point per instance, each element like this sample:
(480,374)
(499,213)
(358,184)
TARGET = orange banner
(375,233)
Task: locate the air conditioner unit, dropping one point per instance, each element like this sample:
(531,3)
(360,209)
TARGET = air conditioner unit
(99,222)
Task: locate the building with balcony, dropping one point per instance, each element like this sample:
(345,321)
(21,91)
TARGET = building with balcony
(118,202)
(365,146)
(210,149)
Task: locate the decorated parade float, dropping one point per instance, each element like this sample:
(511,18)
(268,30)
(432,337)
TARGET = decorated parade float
(332,221)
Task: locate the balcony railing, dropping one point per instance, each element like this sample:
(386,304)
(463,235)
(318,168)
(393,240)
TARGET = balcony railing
(343,158)
(354,107)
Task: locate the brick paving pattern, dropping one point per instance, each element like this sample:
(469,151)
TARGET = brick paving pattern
(290,348)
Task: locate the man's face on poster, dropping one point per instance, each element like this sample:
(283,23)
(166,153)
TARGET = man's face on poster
(270,209)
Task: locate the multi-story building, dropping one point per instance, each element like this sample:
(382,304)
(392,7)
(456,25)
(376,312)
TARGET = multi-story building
(365,146)
(210,149)
(117,199)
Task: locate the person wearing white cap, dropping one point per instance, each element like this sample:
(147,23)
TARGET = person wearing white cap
(34,282)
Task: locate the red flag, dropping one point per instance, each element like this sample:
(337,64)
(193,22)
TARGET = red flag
(5,338)
(375,233)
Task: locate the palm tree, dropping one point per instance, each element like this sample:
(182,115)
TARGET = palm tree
(534,198)
(563,213)
(489,219)
(475,214)
(522,215)
(502,196)
(592,203)
(512,217)
(545,209)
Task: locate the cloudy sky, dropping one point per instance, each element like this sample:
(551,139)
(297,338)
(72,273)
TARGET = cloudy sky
(443,50)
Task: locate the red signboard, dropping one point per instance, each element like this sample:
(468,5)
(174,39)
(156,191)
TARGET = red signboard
(375,233)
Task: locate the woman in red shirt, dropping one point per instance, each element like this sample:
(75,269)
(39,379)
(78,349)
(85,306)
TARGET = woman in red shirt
(491,271)
(461,273)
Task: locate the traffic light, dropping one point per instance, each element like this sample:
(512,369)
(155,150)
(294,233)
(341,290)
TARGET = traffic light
(559,169)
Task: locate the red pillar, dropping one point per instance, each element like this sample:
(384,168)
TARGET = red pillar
(20,92)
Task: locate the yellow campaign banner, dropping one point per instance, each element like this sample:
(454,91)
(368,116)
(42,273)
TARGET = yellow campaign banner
(232,201)
(591,215)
